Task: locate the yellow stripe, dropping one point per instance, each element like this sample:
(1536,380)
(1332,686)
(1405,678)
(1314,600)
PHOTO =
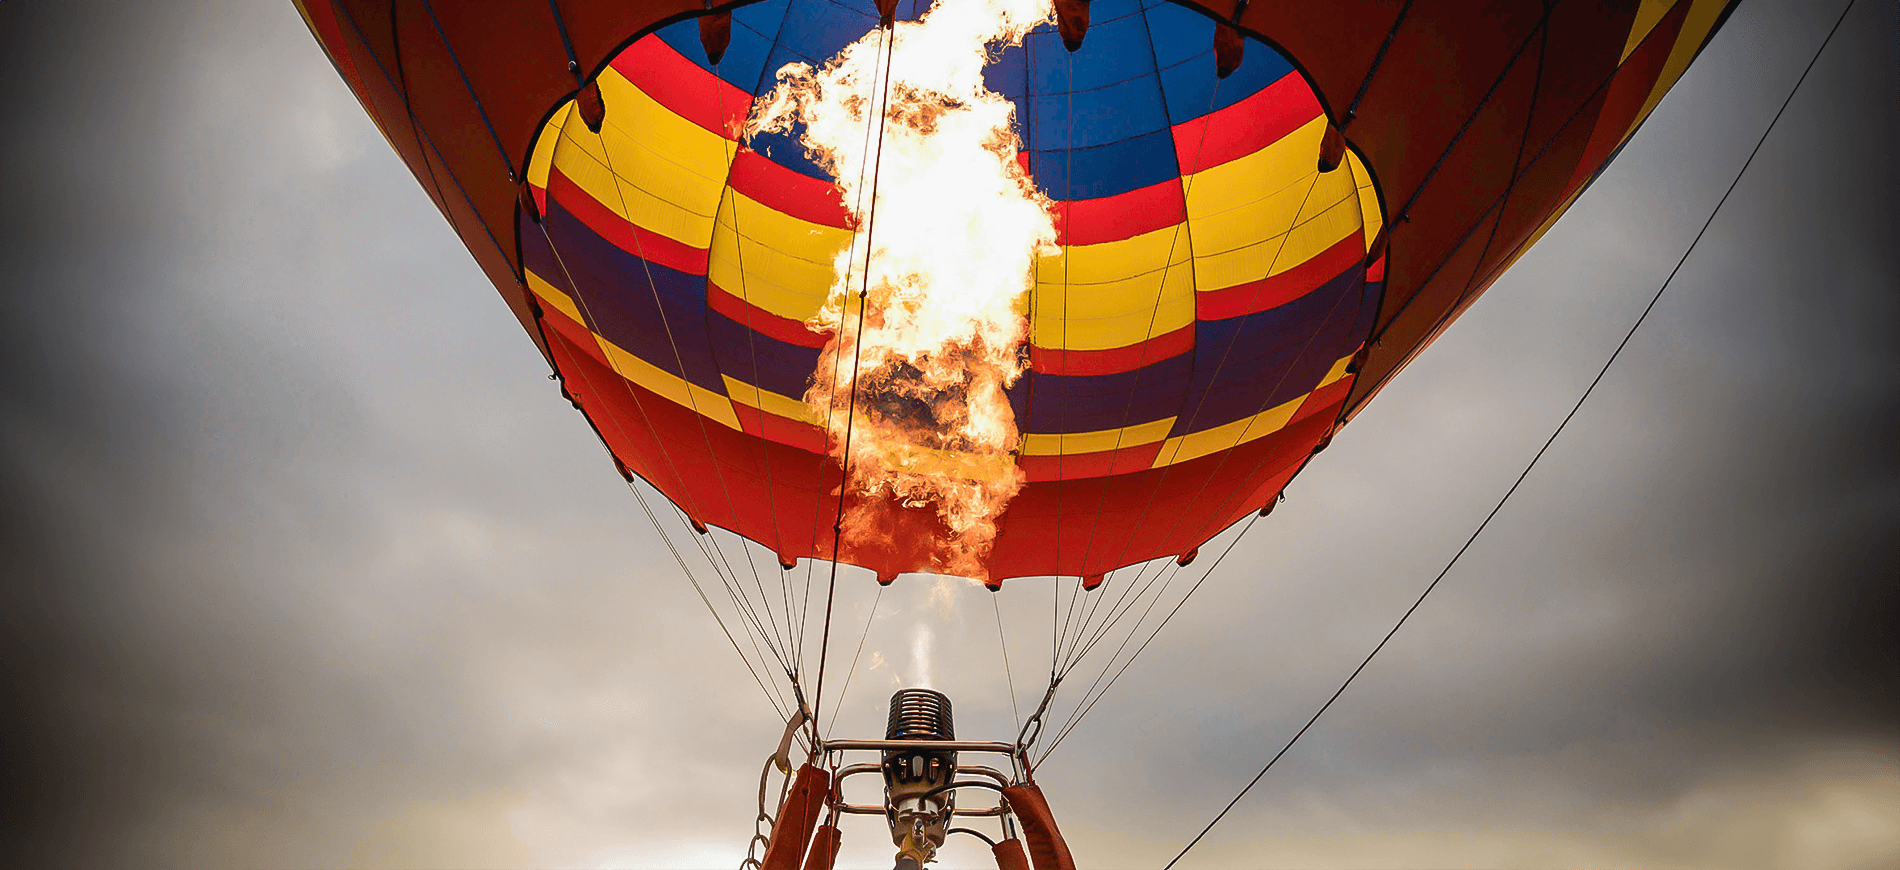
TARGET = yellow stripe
(1695,29)
(553,296)
(1073,443)
(1262,183)
(543,157)
(1114,314)
(640,207)
(675,389)
(666,177)
(1369,214)
(1339,219)
(1648,16)
(789,235)
(1113,261)
(643,121)
(1338,370)
(784,284)
(1253,222)
(765,400)
(1195,445)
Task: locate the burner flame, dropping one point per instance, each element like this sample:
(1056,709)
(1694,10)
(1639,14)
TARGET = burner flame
(927,305)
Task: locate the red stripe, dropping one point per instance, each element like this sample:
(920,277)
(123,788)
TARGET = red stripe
(1376,271)
(1075,466)
(575,332)
(1629,89)
(772,427)
(1057,361)
(625,235)
(789,191)
(1275,291)
(762,321)
(1246,126)
(1123,216)
(1326,400)
(683,87)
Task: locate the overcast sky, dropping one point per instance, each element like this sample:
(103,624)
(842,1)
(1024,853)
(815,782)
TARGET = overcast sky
(307,563)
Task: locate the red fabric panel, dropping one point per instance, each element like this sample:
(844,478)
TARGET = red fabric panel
(1474,175)
(363,36)
(796,816)
(1441,63)
(322,17)
(1123,216)
(788,191)
(1072,466)
(452,124)
(624,234)
(824,848)
(1046,848)
(1580,56)
(1317,414)
(499,57)
(793,433)
(1273,292)
(599,27)
(675,449)
(1419,322)
(1079,527)
(762,321)
(1332,42)
(684,87)
(1560,167)
(1009,855)
(575,337)
(1629,91)
(1057,361)
(1245,127)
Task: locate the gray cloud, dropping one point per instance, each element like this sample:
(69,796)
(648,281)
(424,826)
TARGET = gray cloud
(309,566)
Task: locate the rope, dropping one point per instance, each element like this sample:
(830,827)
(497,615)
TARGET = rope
(1352,111)
(1541,450)
(875,601)
(851,413)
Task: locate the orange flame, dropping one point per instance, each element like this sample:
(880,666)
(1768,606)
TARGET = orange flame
(949,228)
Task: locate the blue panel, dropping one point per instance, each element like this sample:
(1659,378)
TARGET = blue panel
(1178,34)
(745,56)
(1193,90)
(619,302)
(537,257)
(1008,75)
(819,29)
(775,366)
(785,150)
(1184,47)
(1105,170)
(1096,117)
(763,18)
(1105,12)
(1249,364)
(1113,52)
(1047,403)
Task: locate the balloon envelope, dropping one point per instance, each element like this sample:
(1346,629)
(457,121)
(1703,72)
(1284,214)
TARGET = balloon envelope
(1220,305)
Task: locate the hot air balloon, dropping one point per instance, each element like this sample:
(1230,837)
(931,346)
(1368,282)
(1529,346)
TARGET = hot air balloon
(1253,215)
